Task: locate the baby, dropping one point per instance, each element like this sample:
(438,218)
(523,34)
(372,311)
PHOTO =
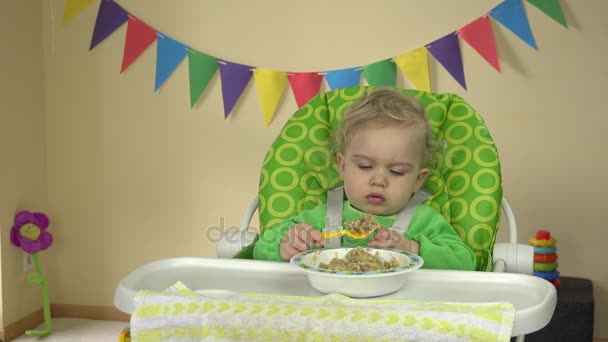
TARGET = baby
(384,145)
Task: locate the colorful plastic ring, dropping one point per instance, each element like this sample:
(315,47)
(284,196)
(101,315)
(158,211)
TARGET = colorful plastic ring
(556,283)
(542,243)
(545,258)
(545,267)
(543,234)
(547,275)
(545,250)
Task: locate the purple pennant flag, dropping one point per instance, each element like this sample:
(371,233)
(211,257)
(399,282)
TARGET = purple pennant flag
(110,17)
(447,51)
(234,80)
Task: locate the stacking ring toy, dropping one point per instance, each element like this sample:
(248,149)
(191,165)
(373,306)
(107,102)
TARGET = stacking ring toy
(545,267)
(545,258)
(545,250)
(542,243)
(547,275)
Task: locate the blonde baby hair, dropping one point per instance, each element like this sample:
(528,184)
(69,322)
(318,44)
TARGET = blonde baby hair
(384,106)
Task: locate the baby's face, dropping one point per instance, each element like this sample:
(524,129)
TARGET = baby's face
(382,167)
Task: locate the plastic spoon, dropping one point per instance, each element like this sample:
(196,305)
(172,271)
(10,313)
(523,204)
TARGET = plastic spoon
(332,234)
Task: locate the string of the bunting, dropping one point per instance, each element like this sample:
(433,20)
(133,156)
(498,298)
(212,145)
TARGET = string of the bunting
(270,84)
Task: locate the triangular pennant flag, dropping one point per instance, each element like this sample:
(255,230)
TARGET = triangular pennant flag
(169,53)
(270,85)
(202,68)
(415,65)
(305,86)
(110,17)
(343,78)
(551,8)
(235,78)
(139,37)
(447,51)
(72,8)
(481,38)
(381,74)
(512,15)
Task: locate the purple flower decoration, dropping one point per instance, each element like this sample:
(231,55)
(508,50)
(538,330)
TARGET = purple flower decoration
(29,232)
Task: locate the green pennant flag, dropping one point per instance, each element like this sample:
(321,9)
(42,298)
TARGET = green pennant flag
(551,8)
(202,68)
(381,74)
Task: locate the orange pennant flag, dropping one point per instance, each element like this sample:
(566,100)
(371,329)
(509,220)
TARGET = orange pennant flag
(415,65)
(72,8)
(270,85)
(479,35)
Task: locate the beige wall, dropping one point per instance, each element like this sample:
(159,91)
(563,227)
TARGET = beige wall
(135,176)
(22,139)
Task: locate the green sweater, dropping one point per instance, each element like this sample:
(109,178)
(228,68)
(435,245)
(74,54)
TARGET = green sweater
(440,246)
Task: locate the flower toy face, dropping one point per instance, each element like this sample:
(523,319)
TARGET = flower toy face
(29,232)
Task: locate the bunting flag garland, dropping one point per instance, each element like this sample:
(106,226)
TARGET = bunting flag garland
(109,18)
(343,78)
(415,65)
(72,8)
(235,78)
(383,73)
(446,51)
(202,68)
(511,14)
(479,35)
(139,37)
(552,9)
(169,53)
(270,84)
(305,86)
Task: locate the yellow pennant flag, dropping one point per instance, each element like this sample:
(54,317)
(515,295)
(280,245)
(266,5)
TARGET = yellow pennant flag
(415,65)
(270,85)
(72,8)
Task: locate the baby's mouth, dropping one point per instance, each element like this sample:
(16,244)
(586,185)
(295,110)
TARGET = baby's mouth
(375,199)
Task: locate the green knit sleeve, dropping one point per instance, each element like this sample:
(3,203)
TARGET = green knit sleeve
(268,246)
(440,246)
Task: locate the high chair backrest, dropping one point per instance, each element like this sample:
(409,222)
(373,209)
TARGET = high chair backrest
(465,179)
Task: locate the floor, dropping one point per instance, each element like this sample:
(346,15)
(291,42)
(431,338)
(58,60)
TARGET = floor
(79,330)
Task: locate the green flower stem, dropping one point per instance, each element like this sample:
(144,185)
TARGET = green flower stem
(38,278)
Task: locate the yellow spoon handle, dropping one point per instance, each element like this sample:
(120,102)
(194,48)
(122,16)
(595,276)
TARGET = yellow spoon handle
(329,235)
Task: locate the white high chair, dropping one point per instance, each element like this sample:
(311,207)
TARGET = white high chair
(534,298)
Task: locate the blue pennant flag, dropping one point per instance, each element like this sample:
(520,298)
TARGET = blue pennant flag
(512,15)
(343,78)
(169,53)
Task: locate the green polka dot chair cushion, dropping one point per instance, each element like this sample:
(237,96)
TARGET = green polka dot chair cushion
(465,179)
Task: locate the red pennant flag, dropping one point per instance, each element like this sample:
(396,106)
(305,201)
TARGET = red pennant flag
(305,86)
(481,38)
(139,37)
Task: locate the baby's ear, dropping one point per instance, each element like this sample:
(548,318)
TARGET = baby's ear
(422,175)
(340,164)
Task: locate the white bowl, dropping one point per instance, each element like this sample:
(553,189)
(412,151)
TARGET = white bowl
(356,284)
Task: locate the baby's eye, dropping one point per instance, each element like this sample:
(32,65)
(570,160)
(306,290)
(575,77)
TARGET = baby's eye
(397,172)
(364,167)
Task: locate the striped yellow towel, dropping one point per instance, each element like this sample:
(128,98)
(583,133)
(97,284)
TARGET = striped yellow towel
(179,314)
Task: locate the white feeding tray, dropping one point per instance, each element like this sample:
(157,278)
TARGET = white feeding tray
(357,281)
(534,298)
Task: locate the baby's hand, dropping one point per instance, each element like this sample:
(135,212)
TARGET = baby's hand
(391,238)
(299,238)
